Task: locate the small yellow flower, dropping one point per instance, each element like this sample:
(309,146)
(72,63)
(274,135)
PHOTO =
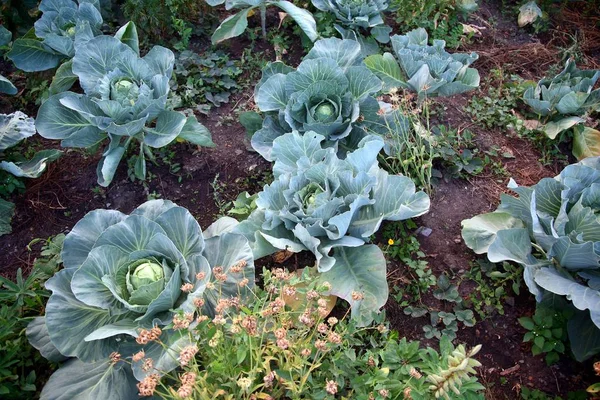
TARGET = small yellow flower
(391,242)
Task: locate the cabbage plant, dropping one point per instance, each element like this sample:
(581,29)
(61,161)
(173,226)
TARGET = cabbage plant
(330,207)
(236,24)
(355,13)
(427,70)
(64,25)
(355,16)
(124,101)
(330,93)
(553,230)
(13,129)
(124,273)
(564,101)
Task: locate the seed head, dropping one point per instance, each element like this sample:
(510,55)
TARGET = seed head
(138,356)
(331,387)
(147,386)
(187,287)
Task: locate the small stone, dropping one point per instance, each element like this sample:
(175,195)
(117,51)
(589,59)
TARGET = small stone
(424,231)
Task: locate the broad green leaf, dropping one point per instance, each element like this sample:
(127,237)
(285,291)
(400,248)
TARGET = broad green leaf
(272,94)
(98,57)
(319,71)
(289,149)
(381,33)
(252,121)
(128,35)
(160,60)
(108,165)
(63,79)
(123,327)
(575,255)
(85,233)
(34,167)
(7,210)
(586,142)
(232,26)
(37,334)
(132,234)
(87,283)
(262,140)
(55,121)
(220,226)
(583,335)
(303,18)
(360,270)
(480,231)
(387,69)
(164,355)
(77,380)
(553,128)
(344,52)
(362,82)
(5,36)
(571,103)
(227,250)
(511,244)
(169,125)
(183,230)
(196,133)
(14,128)
(69,321)
(583,297)
(7,86)
(31,55)
(395,198)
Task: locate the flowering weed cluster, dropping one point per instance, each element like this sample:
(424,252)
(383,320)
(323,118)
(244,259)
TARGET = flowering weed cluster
(275,348)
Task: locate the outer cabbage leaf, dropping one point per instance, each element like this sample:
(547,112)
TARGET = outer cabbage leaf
(98,380)
(32,168)
(14,128)
(7,86)
(552,229)
(359,270)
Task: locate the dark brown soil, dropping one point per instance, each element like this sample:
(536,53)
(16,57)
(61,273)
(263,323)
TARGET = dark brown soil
(55,202)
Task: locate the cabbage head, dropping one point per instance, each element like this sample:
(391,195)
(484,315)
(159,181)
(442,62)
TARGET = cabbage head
(563,102)
(330,93)
(427,70)
(124,101)
(64,26)
(123,273)
(553,230)
(330,207)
